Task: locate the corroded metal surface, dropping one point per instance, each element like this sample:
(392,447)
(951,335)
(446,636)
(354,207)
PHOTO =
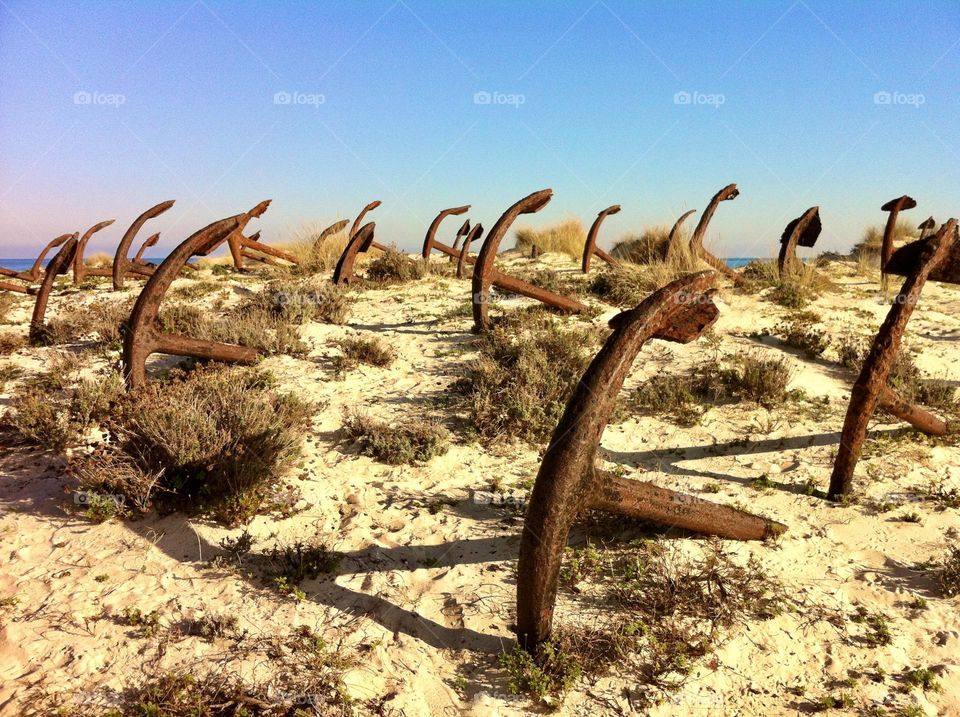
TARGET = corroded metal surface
(81,270)
(486,275)
(144,336)
(925,226)
(360,242)
(461,233)
(358,222)
(474,234)
(149,242)
(674,240)
(869,386)
(243,247)
(334,228)
(907,259)
(567,481)
(893,207)
(60,264)
(430,240)
(121,264)
(728,193)
(802,231)
(16,288)
(590,245)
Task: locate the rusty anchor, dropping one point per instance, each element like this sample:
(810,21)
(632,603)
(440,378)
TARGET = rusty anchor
(80,270)
(35,272)
(486,274)
(925,226)
(359,243)
(121,264)
(893,207)
(60,264)
(802,231)
(568,481)
(144,336)
(16,288)
(697,249)
(936,258)
(474,234)
(335,228)
(244,247)
(674,240)
(590,245)
(430,242)
(463,231)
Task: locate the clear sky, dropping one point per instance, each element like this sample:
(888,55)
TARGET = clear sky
(107,108)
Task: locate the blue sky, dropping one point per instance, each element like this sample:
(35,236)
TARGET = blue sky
(107,108)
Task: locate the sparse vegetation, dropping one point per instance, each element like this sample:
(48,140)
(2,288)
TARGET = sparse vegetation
(742,377)
(564,237)
(311,258)
(100,321)
(356,350)
(393,267)
(11,342)
(519,383)
(214,440)
(801,331)
(9,372)
(867,251)
(412,442)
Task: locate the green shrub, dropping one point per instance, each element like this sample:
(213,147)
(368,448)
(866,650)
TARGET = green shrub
(355,350)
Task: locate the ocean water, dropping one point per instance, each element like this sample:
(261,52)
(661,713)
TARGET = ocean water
(24,264)
(735,262)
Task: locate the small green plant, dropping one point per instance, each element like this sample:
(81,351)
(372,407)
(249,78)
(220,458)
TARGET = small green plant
(947,572)
(147,624)
(922,678)
(878,628)
(8,373)
(545,676)
(801,331)
(289,565)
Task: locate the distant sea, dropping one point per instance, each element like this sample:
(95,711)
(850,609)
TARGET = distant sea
(24,264)
(733,262)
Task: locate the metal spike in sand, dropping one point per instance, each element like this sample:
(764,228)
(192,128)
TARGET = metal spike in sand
(802,231)
(728,193)
(568,481)
(144,335)
(590,247)
(936,258)
(485,274)
(60,264)
(674,241)
(474,234)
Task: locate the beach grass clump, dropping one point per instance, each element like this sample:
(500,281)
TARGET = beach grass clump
(412,442)
(215,440)
(11,343)
(866,252)
(518,385)
(648,247)
(395,267)
(313,256)
(683,397)
(564,237)
(7,305)
(356,350)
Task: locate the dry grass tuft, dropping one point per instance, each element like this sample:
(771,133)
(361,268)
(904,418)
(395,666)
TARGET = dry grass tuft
(355,350)
(649,247)
(215,440)
(100,321)
(11,342)
(413,442)
(302,301)
(395,267)
(518,385)
(564,237)
(313,259)
(867,251)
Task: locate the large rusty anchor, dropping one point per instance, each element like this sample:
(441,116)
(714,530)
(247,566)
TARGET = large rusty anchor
(122,266)
(726,194)
(60,264)
(590,245)
(463,231)
(430,240)
(485,274)
(474,234)
(144,336)
(936,258)
(893,207)
(569,482)
(250,247)
(802,231)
